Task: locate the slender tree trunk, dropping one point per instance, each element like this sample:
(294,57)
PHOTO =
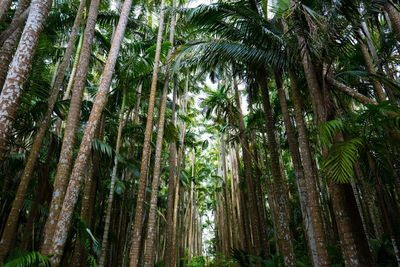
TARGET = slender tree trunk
(71,80)
(379,94)
(180,162)
(136,237)
(31,161)
(67,148)
(21,64)
(381,200)
(79,257)
(112,184)
(71,196)
(284,233)
(236,229)
(169,257)
(227,198)
(148,259)
(247,240)
(312,194)
(15,24)
(41,195)
(394,17)
(254,216)
(149,252)
(369,196)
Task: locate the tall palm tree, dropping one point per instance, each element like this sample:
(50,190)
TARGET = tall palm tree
(66,154)
(150,237)
(136,233)
(284,234)
(71,196)
(31,161)
(169,256)
(18,71)
(104,242)
(11,42)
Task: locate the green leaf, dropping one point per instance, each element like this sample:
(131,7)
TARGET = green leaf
(29,259)
(339,163)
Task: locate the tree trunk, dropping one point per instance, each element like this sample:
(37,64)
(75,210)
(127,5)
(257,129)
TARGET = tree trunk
(351,92)
(31,161)
(180,162)
(136,234)
(312,194)
(284,233)
(15,25)
(104,243)
(379,94)
(394,17)
(169,257)
(71,196)
(17,75)
(67,149)
(227,198)
(253,208)
(382,204)
(149,254)
(42,194)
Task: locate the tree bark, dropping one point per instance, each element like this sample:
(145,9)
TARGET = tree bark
(149,255)
(136,234)
(31,161)
(253,207)
(379,94)
(11,97)
(67,148)
(394,17)
(169,257)
(71,196)
(284,233)
(312,194)
(9,45)
(104,243)
(16,24)
(17,75)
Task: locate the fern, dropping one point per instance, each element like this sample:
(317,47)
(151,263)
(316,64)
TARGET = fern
(33,258)
(340,160)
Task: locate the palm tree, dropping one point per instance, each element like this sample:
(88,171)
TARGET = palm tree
(71,196)
(284,233)
(112,184)
(18,72)
(312,193)
(136,233)
(66,154)
(31,161)
(10,43)
(150,237)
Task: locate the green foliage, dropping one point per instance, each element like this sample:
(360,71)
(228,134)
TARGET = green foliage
(339,163)
(26,259)
(329,130)
(248,260)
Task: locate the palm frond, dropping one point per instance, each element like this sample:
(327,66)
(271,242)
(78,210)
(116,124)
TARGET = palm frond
(33,258)
(339,163)
(328,131)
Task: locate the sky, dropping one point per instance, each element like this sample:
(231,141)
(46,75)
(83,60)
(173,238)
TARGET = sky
(195,3)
